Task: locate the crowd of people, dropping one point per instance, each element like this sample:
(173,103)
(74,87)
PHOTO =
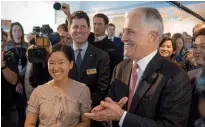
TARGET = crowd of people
(93,79)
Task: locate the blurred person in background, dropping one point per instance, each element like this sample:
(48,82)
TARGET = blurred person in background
(117,41)
(201,88)
(179,40)
(188,42)
(4,38)
(199,53)
(189,60)
(167,49)
(9,78)
(184,35)
(18,47)
(30,38)
(64,35)
(167,35)
(101,41)
(36,73)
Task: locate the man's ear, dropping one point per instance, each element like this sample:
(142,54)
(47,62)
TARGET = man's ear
(153,36)
(106,26)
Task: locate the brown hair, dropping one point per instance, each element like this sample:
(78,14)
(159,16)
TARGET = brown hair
(63,26)
(176,36)
(167,39)
(103,16)
(80,15)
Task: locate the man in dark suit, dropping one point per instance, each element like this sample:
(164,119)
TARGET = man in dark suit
(100,23)
(158,91)
(91,64)
(117,41)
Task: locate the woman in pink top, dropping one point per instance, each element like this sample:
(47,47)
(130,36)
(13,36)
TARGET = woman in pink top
(62,101)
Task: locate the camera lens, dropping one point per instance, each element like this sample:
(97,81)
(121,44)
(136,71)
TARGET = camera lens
(38,53)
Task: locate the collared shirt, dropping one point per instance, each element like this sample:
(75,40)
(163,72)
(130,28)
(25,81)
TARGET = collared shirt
(84,48)
(99,38)
(111,38)
(142,63)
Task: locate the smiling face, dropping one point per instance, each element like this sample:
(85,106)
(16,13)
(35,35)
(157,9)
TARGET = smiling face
(138,40)
(199,49)
(59,66)
(166,49)
(79,31)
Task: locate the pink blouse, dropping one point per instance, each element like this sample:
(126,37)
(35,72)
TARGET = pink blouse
(60,108)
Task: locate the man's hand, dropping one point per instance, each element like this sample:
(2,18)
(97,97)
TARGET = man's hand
(108,110)
(66,9)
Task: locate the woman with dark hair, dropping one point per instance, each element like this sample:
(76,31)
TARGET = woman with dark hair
(167,48)
(178,39)
(62,101)
(18,47)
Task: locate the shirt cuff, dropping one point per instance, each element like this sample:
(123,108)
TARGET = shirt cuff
(122,118)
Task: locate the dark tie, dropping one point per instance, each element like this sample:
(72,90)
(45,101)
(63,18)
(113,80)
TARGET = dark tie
(132,85)
(79,59)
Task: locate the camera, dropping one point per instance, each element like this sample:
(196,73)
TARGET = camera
(44,37)
(9,56)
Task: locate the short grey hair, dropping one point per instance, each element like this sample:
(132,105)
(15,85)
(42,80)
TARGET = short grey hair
(153,20)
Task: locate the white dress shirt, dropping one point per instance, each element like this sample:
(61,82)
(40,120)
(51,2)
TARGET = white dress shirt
(84,48)
(142,63)
(99,38)
(111,38)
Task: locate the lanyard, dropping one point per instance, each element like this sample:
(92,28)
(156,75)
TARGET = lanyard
(19,54)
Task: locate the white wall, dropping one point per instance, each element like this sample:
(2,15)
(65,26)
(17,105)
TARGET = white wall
(29,14)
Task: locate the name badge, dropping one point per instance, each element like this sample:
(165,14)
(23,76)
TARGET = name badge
(91,71)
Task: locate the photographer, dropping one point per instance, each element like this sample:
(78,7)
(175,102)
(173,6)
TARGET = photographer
(18,47)
(9,115)
(37,72)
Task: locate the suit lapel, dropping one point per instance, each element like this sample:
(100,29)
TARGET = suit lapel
(127,73)
(149,76)
(86,61)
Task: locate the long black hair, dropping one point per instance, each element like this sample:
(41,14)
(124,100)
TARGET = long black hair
(66,49)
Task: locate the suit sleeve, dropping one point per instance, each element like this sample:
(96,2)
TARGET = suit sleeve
(174,105)
(103,79)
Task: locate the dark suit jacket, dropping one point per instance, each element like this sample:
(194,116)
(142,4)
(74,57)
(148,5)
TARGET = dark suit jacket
(162,98)
(97,82)
(120,46)
(108,46)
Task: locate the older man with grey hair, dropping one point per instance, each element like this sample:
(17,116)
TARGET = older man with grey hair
(146,90)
